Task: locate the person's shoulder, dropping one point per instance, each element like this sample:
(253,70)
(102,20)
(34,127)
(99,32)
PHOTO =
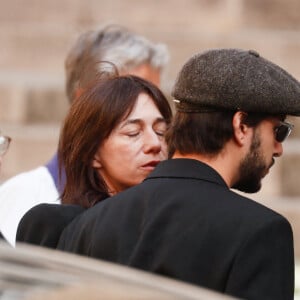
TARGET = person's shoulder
(29,177)
(254,210)
(25,190)
(57,213)
(44,223)
(58,210)
(38,180)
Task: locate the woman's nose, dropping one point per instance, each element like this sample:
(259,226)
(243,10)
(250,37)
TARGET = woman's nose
(152,142)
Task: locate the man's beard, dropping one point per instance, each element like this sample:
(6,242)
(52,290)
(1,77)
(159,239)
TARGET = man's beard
(252,168)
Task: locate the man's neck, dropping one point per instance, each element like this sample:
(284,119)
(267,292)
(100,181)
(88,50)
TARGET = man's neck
(224,163)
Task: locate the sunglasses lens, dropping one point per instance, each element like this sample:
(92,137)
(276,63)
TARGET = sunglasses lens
(282,132)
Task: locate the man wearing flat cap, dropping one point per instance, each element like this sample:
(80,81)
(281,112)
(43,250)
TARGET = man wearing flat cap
(184,221)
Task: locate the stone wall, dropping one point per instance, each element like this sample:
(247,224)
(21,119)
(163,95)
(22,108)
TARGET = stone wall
(36,35)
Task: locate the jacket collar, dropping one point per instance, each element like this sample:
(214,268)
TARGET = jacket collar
(186,168)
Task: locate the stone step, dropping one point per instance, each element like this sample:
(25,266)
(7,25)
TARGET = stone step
(290,166)
(31,146)
(30,98)
(34,39)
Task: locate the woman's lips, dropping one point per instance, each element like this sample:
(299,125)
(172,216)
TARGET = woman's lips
(151,165)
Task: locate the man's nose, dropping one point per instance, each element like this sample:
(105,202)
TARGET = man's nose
(278,149)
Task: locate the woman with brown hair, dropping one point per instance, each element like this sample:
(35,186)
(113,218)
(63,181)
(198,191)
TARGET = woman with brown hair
(112,138)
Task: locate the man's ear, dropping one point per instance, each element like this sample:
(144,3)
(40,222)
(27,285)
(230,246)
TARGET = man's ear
(96,162)
(240,129)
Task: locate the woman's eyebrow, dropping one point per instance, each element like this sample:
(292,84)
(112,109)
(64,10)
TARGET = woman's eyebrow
(160,120)
(140,121)
(131,121)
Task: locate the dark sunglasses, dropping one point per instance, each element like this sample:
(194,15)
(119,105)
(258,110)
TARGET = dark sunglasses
(282,131)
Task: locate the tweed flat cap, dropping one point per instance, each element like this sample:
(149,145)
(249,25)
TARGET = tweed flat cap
(234,79)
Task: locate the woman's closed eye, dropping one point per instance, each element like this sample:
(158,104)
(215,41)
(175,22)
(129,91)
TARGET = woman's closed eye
(131,129)
(133,134)
(160,128)
(135,128)
(160,133)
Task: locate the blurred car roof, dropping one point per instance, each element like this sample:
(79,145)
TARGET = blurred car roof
(31,272)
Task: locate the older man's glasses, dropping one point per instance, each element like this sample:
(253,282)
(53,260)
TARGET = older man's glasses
(282,131)
(4,144)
